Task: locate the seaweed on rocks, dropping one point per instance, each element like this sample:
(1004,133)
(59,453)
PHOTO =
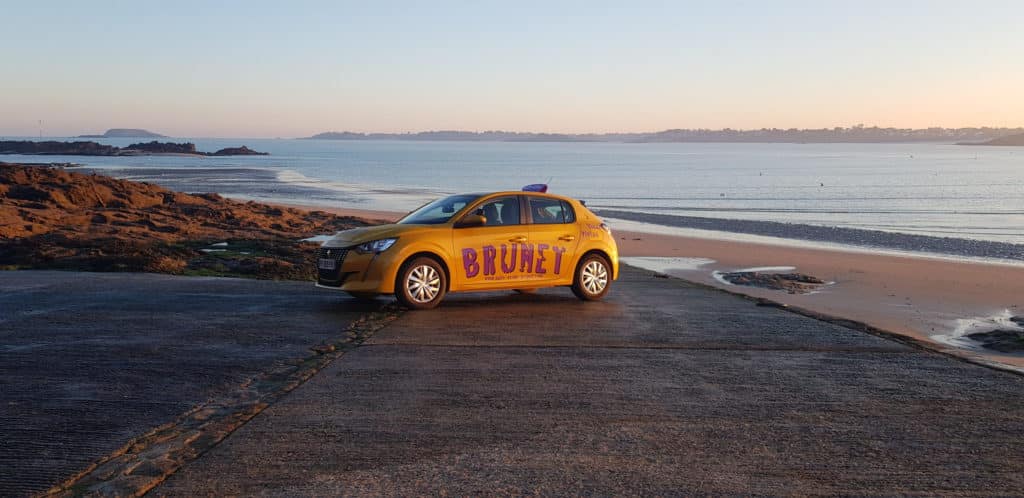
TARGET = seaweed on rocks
(59,219)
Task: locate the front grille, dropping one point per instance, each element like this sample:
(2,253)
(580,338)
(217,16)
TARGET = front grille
(338,255)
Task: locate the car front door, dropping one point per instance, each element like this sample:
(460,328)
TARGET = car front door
(487,256)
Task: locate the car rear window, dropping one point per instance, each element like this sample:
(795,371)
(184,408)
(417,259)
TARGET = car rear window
(550,211)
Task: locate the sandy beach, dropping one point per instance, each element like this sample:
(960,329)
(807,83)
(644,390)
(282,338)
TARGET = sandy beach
(933,299)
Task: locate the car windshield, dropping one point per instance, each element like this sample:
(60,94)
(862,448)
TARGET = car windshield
(439,211)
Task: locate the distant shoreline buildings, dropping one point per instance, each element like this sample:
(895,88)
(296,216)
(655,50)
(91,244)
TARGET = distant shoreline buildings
(855,134)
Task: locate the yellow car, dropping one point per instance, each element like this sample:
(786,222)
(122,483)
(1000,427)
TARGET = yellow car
(515,240)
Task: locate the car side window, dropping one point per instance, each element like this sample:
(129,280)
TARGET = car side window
(547,211)
(503,211)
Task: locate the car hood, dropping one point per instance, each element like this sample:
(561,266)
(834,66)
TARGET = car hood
(362,235)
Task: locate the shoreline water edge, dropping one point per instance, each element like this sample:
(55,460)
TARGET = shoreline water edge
(291,188)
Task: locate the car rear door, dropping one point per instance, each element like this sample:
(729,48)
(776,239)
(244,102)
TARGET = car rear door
(554,237)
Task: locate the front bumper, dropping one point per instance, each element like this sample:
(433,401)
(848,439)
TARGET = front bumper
(354,272)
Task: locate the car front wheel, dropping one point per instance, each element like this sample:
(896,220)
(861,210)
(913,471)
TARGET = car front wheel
(592,279)
(421,284)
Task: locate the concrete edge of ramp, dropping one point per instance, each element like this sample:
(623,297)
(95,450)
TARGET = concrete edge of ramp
(145,461)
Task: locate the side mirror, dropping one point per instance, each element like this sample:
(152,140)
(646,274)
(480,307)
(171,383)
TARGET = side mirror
(472,220)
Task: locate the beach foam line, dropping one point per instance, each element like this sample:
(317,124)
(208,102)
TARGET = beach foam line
(293,177)
(297,178)
(392,198)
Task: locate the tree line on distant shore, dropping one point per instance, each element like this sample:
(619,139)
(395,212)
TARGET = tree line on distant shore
(853,134)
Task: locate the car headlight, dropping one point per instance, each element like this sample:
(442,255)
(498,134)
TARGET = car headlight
(376,246)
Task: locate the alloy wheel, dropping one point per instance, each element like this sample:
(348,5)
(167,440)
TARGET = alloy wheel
(595,277)
(423,283)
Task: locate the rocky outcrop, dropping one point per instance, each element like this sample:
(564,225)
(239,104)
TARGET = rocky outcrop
(238,151)
(57,148)
(96,149)
(1001,340)
(155,147)
(54,218)
(793,283)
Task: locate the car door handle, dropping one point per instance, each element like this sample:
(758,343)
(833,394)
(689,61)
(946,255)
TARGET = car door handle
(567,238)
(519,240)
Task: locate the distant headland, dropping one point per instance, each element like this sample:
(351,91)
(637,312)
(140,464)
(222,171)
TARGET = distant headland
(1009,140)
(52,148)
(854,134)
(125,133)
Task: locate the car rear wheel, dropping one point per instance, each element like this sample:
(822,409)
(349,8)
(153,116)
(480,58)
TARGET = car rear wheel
(421,284)
(592,279)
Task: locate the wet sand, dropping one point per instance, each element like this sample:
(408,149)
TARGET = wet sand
(925,298)
(928,298)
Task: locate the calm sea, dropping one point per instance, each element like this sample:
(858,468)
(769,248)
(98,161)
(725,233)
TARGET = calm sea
(930,189)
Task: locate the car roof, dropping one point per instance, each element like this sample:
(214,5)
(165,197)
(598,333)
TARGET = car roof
(520,192)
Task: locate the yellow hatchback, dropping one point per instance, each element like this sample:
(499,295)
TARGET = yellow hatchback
(517,240)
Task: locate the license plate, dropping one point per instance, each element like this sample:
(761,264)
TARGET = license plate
(327,264)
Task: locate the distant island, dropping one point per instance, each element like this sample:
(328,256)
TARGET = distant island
(53,148)
(854,134)
(1009,140)
(125,133)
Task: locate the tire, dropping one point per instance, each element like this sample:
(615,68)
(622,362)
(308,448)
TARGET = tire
(421,284)
(363,296)
(593,278)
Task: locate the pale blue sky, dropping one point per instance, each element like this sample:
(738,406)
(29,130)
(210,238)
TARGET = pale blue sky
(258,69)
